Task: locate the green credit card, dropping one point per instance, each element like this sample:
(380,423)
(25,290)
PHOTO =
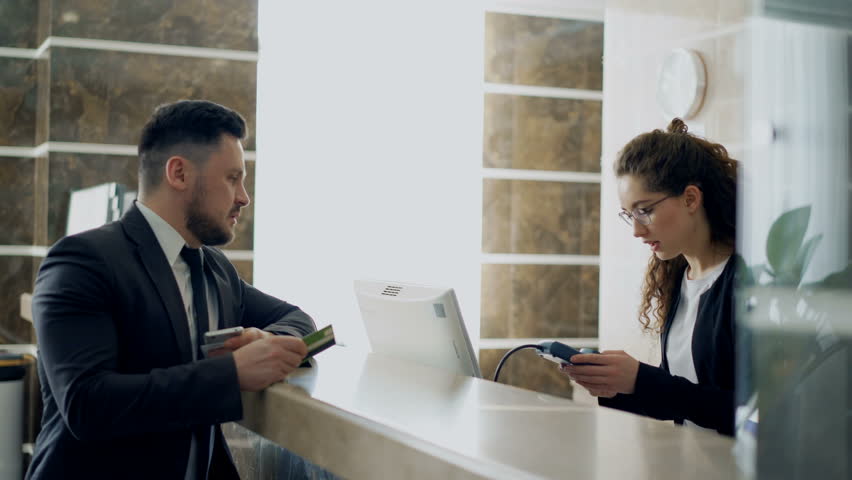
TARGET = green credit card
(319,341)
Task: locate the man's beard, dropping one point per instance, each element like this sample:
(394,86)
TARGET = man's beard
(206,229)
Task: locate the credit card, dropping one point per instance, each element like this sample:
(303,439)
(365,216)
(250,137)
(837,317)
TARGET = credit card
(319,341)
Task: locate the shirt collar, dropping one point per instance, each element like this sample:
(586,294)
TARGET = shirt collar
(170,240)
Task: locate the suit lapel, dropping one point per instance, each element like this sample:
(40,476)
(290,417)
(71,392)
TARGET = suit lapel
(162,277)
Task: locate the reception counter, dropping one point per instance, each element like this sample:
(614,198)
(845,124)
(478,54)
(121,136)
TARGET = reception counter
(365,416)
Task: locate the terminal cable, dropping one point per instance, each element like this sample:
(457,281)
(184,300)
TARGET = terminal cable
(510,352)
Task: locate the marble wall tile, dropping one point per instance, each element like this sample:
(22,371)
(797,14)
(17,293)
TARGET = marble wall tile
(542,217)
(228,24)
(539,301)
(541,133)
(543,51)
(587,324)
(16,277)
(17,202)
(527,370)
(41,186)
(106,97)
(42,109)
(18,23)
(244,231)
(70,171)
(45,10)
(496,301)
(245,268)
(17,101)
(496,216)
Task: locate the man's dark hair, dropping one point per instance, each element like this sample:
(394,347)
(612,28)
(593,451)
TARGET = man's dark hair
(189,128)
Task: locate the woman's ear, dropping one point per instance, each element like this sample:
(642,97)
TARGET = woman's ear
(694,198)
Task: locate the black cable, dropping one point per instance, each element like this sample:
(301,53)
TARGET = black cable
(502,360)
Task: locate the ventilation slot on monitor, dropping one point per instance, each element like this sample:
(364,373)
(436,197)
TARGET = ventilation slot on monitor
(391,291)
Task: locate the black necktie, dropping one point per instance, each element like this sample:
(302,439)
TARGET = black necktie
(192,257)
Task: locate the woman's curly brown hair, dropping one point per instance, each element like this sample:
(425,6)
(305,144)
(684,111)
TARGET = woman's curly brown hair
(668,162)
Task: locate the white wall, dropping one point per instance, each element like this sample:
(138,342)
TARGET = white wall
(369,152)
(637,36)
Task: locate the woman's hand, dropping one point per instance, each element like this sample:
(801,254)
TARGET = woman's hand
(608,373)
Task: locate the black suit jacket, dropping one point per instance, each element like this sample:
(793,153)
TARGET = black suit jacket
(121,393)
(710,403)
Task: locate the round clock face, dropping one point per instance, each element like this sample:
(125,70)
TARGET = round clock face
(681,84)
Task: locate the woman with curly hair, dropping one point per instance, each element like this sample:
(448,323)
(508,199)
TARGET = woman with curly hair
(678,193)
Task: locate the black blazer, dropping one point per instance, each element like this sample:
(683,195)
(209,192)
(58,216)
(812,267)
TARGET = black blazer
(710,403)
(121,393)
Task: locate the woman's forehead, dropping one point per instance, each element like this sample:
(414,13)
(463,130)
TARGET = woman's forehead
(631,186)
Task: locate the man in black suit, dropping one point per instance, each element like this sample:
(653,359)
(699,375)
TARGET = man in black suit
(120,312)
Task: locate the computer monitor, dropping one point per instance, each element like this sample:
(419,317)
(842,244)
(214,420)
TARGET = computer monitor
(418,323)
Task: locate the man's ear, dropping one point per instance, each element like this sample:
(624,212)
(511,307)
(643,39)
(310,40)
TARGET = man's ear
(694,198)
(177,172)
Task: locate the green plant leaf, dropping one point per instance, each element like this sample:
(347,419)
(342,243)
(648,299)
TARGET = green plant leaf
(785,240)
(806,253)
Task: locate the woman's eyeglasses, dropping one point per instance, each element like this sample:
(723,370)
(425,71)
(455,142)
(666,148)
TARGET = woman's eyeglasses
(641,215)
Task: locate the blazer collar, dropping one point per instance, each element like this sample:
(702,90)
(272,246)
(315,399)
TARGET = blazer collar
(151,254)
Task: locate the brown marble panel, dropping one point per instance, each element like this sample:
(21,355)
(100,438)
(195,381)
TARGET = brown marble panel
(17,202)
(496,301)
(16,277)
(70,171)
(539,301)
(18,94)
(543,51)
(496,215)
(537,133)
(245,268)
(590,293)
(229,24)
(42,111)
(527,370)
(499,128)
(106,97)
(18,23)
(41,184)
(45,10)
(543,217)
(244,231)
